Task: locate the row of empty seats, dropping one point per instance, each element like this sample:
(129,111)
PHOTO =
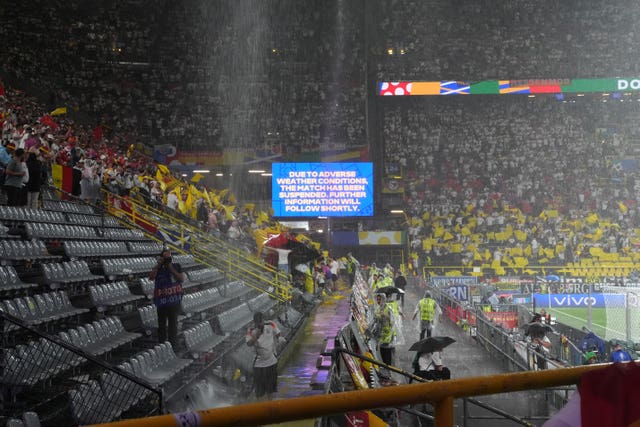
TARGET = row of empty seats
(145,248)
(15,249)
(111,294)
(203,300)
(114,267)
(41,308)
(100,336)
(28,419)
(93,220)
(68,272)
(105,400)
(36,361)
(122,234)
(64,206)
(262,302)
(205,275)
(14,213)
(201,339)
(89,248)
(45,230)
(10,281)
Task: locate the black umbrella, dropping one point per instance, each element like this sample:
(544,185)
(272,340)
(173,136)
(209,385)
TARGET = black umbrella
(431,344)
(536,329)
(388,290)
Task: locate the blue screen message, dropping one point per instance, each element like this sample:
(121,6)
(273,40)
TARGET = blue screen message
(322,189)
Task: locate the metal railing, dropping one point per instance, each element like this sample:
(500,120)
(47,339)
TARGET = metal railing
(207,249)
(440,394)
(45,369)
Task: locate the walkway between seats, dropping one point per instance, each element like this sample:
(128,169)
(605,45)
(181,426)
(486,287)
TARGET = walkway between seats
(465,358)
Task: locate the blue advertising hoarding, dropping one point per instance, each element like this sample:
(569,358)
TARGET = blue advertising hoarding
(580,300)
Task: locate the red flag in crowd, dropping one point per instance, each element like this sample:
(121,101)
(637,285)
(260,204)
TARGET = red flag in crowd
(2,92)
(97,133)
(48,121)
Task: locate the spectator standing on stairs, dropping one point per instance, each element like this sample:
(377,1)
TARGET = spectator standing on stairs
(167,295)
(263,338)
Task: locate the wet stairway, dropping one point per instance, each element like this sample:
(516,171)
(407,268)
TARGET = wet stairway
(305,373)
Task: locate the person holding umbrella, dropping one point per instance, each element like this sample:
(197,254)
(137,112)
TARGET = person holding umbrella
(428,361)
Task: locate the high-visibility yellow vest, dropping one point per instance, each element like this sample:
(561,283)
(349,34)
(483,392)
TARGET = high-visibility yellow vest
(386,333)
(394,307)
(427,308)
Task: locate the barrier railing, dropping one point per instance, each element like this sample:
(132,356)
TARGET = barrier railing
(47,368)
(440,394)
(183,237)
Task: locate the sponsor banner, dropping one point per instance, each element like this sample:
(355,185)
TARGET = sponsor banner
(578,285)
(442,281)
(460,292)
(509,87)
(584,300)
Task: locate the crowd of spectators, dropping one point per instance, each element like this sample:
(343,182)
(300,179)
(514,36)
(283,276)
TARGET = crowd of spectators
(530,173)
(192,73)
(482,40)
(489,178)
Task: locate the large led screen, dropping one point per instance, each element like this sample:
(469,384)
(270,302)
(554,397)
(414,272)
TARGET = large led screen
(322,189)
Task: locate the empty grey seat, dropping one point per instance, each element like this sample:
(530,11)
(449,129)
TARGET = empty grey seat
(9,279)
(31,419)
(262,302)
(235,319)
(201,339)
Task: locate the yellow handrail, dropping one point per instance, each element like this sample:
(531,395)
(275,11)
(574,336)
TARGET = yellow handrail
(205,248)
(440,393)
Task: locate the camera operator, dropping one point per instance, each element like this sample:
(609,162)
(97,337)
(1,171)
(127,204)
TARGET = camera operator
(167,295)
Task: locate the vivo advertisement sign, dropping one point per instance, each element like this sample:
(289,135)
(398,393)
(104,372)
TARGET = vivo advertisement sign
(583,300)
(322,189)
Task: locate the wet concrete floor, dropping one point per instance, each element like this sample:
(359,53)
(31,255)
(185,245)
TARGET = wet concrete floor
(465,358)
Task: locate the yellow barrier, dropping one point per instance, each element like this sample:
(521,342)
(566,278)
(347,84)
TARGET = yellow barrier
(441,394)
(204,247)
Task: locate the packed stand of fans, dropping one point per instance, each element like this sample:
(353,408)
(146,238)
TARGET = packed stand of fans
(99,161)
(488,181)
(191,73)
(481,40)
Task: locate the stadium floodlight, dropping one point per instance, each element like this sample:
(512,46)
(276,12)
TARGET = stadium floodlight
(201,171)
(256,171)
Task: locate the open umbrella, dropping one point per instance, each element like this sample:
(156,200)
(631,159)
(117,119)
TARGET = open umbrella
(431,344)
(536,329)
(388,290)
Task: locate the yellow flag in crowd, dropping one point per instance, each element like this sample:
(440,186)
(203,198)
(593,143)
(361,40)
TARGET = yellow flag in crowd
(205,195)
(262,218)
(228,211)
(592,218)
(58,111)
(163,169)
(197,177)
(623,208)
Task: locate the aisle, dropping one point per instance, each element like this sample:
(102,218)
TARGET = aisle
(324,323)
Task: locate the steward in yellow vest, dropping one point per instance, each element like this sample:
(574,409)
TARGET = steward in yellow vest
(427,308)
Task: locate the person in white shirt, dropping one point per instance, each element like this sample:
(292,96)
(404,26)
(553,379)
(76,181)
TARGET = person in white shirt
(263,338)
(172,201)
(431,367)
